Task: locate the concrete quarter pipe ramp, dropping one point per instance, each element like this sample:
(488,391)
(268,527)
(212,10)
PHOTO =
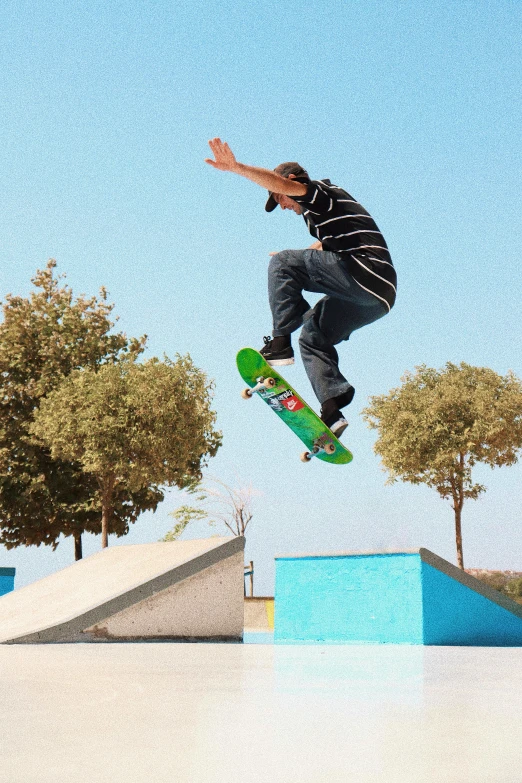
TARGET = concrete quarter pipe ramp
(180,590)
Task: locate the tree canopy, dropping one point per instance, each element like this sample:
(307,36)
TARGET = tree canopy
(132,426)
(438,424)
(43,338)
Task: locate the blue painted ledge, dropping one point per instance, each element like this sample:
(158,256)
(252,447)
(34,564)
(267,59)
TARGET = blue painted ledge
(7,577)
(389,598)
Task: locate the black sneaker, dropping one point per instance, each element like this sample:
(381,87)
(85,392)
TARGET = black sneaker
(333,418)
(277,351)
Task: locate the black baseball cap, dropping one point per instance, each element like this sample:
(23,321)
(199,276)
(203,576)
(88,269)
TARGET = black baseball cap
(284,170)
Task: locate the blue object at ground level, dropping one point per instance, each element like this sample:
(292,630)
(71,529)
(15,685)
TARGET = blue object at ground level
(7,577)
(389,598)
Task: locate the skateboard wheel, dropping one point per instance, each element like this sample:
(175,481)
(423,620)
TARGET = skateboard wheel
(246,394)
(269,383)
(329,448)
(305,456)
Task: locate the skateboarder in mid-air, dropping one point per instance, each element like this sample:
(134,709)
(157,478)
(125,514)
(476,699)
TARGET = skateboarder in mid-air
(350,263)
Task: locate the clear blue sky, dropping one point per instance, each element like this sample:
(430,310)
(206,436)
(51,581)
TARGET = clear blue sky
(413,107)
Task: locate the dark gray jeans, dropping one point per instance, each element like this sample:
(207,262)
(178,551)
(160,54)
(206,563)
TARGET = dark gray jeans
(345,308)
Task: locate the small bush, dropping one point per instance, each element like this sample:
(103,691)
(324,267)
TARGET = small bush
(495,579)
(514,588)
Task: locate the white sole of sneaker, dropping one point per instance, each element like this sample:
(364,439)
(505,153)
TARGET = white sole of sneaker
(339,427)
(280,362)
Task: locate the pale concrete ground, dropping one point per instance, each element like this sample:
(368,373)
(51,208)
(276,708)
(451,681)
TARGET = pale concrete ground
(210,713)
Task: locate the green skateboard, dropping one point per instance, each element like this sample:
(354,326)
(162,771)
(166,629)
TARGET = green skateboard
(290,407)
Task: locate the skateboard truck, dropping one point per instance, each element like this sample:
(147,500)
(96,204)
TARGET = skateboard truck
(328,448)
(262,383)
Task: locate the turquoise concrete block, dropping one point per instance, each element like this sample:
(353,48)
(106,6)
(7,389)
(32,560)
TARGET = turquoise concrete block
(388,598)
(7,576)
(357,598)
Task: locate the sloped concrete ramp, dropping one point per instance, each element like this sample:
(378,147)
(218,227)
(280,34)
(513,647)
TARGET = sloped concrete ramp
(186,590)
(413,597)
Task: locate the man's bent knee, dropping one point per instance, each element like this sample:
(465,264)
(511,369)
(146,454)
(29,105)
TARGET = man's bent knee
(311,336)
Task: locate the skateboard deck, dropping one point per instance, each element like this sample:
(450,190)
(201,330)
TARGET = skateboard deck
(269,384)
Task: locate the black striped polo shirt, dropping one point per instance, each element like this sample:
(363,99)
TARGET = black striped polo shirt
(343,226)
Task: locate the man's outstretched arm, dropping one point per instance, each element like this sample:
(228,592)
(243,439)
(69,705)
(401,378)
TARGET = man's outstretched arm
(225,161)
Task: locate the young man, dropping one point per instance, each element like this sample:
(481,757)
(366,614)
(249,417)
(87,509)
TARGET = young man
(349,263)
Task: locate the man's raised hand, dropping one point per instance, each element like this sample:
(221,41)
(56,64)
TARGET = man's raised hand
(225,160)
(224,157)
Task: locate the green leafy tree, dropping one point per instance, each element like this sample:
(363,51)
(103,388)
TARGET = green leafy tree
(440,423)
(43,338)
(183,515)
(133,427)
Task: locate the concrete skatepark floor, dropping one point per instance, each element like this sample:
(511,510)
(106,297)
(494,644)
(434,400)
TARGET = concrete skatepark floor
(207,713)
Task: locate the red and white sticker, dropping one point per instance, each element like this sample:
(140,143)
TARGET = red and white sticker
(290,401)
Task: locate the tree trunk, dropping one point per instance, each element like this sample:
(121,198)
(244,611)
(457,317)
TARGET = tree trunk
(458,535)
(78,546)
(107,509)
(457,490)
(105,526)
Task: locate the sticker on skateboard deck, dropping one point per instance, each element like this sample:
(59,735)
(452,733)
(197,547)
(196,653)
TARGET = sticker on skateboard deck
(268,383)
